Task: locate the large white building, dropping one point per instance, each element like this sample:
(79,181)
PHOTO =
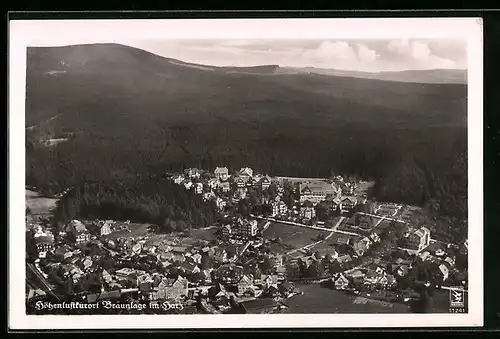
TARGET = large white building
(317,191)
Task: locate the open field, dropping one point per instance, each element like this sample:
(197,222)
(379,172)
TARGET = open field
(294,236)
(136,230)
(204,234)
(39,204)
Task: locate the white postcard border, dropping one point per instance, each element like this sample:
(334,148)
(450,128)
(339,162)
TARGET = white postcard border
(63,32)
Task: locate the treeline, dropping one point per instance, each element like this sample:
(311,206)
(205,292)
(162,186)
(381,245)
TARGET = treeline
(154,200)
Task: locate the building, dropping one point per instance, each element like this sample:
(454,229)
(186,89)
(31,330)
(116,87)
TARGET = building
(341,282)
(444,271)
(265,182)
(361,246)
(188,185)
(226,231)
(246,173)
(192,173)
(239,182)
(44,244)
(348,203)
(198,188)
(225,186)
(317,191)
(178,179)
(278,208)
(244,284)
(171,289)
(307,210)
(419,239)
(105,227)
(221,173)
(78,229)
(248,229)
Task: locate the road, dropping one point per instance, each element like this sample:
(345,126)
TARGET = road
(308,226)
(380,216)
(41,279)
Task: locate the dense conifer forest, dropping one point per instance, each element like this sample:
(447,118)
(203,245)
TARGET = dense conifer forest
(127,117)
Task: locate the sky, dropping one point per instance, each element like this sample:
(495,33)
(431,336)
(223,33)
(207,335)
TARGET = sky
(342,54)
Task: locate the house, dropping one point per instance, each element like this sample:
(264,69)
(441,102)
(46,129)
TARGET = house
(128,274)
(348,203)
(192,173)
(221,173)
(226,231)
(190,268)
(137,248)
(317,191)
(78,229)
(247,229)
(258,306)
(387,281)
(105,227)
(178,179)
(307,210)
(87,263)
(239,183)
(44,244)
(245,283)
(106,277)
(372,277)
(220,255)
(245,173)
(198,188)
(374,237)
(188,185)
(444,271)
(278,208)
(265,182)
(341,282)
(172,288)
(419,239)
(269,280)
(225,186)
(361,246)
(196,258)
(212,183)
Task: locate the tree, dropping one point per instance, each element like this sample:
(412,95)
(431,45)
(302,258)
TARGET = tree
(315,270)
(266,266)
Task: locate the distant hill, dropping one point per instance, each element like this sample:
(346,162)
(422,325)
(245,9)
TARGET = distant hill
(128,112)
(435,76)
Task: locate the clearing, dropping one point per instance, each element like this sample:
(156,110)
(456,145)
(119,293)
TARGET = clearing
(38,204)
(293,236)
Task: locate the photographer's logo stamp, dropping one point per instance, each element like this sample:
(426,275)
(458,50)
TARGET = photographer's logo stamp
(457,297)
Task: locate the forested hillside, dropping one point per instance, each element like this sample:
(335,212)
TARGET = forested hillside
(126,112)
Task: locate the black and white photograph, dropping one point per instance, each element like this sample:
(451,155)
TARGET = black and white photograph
(230,173)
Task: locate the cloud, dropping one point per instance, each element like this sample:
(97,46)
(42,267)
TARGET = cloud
(367,54)
(419,53)
(339,50)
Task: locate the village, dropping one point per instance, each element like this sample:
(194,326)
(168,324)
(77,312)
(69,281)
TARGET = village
(276,233)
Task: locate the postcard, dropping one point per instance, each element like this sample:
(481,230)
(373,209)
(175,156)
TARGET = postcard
(245,173)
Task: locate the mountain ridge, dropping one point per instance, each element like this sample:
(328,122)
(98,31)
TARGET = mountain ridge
(436,76)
